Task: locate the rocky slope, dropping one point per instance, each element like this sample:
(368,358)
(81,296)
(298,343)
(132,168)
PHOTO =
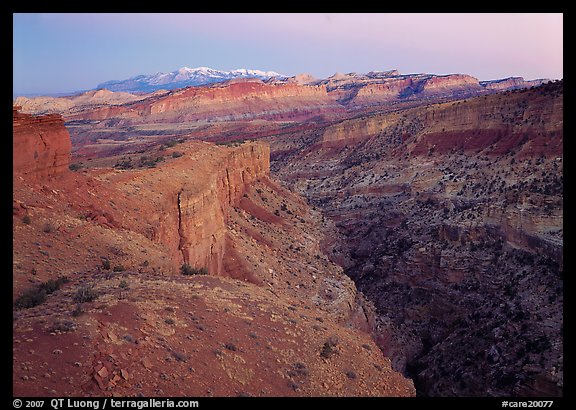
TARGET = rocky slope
(77,103)
(453,215)
(101,307)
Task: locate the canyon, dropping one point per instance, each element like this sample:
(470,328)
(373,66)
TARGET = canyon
(377,234)
(453,215)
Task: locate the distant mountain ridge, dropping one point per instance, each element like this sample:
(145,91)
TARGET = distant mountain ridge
(199,76)
(183,77)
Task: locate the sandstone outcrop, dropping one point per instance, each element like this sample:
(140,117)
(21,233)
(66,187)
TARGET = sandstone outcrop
(511,83)
(500,124)
(41,145)
(233,100)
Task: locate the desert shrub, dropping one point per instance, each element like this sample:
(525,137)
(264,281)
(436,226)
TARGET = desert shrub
(85,293)
(105,263)
(78,310)
(179,356)
(48,227)
(149,162)
(74,167)
(124,164)
(26,219)
(30,298)
(62,326)
(299,370)
(119,268)
(37,295)
(188,270)
(329,347)
(51,285)
(350,374)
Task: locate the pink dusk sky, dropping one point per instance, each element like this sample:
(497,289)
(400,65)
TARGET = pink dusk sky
(55,52)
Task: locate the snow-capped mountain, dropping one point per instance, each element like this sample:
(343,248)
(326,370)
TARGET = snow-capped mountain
(183,77)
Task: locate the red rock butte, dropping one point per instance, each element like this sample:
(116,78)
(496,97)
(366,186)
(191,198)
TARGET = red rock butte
(41,145)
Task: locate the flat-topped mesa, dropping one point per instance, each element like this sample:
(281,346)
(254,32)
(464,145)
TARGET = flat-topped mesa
(236,99)
(511,83)
(41,145)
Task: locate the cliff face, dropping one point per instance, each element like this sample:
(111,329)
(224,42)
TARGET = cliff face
(244,99)
(494,122)
(511,83)
(99,121)
(418,87)
(234,100)
(203,212)
(41,145)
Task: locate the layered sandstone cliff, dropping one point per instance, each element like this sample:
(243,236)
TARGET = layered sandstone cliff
(511,83)
(495,122)
(234,100)
(298,98)
(41,145)
(194,212)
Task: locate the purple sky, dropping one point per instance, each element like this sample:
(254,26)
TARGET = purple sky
(55,53)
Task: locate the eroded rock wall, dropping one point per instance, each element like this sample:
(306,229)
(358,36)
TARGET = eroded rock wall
(40,145)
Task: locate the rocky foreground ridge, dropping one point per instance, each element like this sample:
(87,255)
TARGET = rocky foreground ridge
(101,306)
